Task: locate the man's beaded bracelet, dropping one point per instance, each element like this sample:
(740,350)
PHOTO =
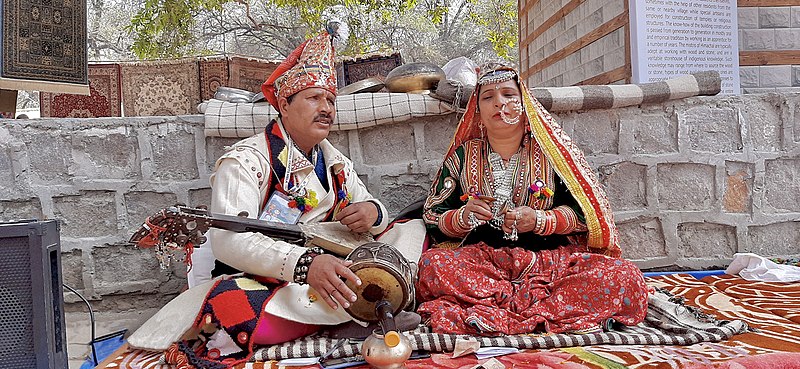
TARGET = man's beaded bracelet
(304,262)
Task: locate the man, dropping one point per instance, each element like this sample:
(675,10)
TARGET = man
(288,173)
(294,159)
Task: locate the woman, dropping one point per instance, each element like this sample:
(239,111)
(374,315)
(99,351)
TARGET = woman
(526,239)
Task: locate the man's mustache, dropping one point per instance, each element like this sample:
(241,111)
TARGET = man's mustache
(324,118)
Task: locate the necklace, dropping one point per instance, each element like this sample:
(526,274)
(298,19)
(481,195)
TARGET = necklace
(502,185)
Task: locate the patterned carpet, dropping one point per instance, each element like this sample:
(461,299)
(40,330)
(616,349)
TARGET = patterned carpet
(248,73)
(161,88)
(213,74)
(44,40)
(105,99)
(771,310)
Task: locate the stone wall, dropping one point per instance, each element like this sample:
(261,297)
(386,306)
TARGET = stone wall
(562,43)
(565,43)
(691,181)
(770,28)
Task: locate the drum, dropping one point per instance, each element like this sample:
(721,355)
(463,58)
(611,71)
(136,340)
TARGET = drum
(385,275)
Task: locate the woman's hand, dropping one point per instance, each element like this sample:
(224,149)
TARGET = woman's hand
(325,276)
(481,209)
(525,217)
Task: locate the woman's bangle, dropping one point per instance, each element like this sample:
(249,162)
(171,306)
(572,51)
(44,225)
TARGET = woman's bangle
(304,262)
(460,219)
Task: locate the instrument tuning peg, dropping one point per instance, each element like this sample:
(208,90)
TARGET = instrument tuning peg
(182,239)
(201,240)
(198,237)
(243,214)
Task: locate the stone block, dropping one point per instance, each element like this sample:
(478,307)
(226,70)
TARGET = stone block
(686,187)
(773,239)
(612,9)
(796,17)
(796,75)
(200,196)
(122,269)
(594,67)
(774,17)
(341,141)
(140,205)
(106,155)
(713,129)
(596,131)
(614,58)
(782,184)
(7,174)
(397,192)
(748,76)
(738,187)
(653,133)
(89,214)
(626,185)
(388,144)
(707,240)
(758,39)
(763,117)
(775,76)
(50,155)
(72,268)
(20,209)
(215,147)
(174,155)
(438,134)
(796,122)
(748,17)
(787,39)
(642,239)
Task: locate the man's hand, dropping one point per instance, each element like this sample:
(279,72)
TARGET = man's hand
(325,276)
(359,216)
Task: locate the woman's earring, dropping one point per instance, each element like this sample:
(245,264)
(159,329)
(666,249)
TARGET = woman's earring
(480,125)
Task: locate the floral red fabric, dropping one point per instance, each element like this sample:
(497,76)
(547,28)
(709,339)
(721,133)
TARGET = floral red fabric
(481,290)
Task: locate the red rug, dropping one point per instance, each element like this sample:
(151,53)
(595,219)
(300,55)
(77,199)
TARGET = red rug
(105,99)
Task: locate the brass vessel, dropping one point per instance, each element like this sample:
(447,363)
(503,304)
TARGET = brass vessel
(414,78)
(379,353)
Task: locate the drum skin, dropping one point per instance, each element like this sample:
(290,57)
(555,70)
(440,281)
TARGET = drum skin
(385,275)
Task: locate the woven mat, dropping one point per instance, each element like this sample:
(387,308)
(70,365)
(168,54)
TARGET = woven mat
(105,99)
(667,323)
(162,88)
(773,342)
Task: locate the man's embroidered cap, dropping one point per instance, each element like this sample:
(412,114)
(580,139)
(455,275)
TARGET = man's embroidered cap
(309,65)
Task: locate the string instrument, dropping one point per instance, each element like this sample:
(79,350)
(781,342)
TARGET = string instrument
(173,232)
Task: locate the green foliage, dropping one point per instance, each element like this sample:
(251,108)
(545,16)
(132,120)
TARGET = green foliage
(165,28)
(498,19)
(162,28)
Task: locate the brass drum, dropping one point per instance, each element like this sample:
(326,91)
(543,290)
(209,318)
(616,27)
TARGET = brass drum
(385,275)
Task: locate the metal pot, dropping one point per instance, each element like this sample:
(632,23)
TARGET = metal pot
(386,352)
(414,78)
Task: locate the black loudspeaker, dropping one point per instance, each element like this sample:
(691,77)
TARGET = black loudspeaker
(32,329)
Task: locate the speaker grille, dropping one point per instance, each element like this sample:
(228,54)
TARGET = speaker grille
(16,303)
